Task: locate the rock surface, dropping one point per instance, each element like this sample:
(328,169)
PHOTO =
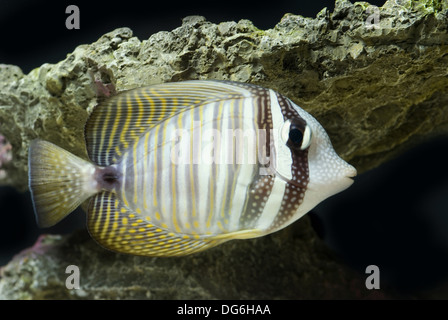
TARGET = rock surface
(291,264)
(373,89)
(376,91)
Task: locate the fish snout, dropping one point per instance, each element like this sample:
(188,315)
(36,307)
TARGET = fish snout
(350,171)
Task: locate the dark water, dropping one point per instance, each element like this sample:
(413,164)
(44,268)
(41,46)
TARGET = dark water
(34,32)
(18,229)
(395,217)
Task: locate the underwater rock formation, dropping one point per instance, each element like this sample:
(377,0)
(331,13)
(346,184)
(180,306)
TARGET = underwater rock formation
(286,265)
(377,83)
(374,87)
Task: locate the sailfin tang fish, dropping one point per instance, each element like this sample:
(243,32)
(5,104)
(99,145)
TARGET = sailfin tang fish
(177,168)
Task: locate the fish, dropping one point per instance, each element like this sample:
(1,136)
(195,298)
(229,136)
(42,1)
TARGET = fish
(178,168)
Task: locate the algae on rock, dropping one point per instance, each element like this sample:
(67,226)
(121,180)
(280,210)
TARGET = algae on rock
(375,90)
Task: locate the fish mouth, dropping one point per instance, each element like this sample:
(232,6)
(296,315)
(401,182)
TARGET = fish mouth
(350,173)
(347,181)
(347,178)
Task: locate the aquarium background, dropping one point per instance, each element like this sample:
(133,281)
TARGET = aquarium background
(395,216)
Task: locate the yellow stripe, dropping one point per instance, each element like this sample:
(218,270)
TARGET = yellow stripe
(115,125)
(226,182)
(134,154)
(201,111)
(165,213)
(114,220)
(98,221)
(145,170)
(162,104)
(213,174)
(123,191)
(115,224)
(201,121)
(108,213)
(154,187)
(140,114)
(175,103)
(240,115)
(220,226)
(127,122)
(152,107)
(232,117)
(173,181)
(235,176)
(193,194)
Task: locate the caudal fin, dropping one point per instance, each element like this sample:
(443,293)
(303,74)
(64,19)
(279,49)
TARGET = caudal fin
(58,180)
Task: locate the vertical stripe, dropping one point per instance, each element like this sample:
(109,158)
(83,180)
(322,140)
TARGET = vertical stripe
(123,183)
(138,122)
(115,223)
(106,119)
(97,227)
(216,147)
(183,167)
(225,173)
(127,122)
(175,209)
(273,204)
(283,160)
(155,168)
(136,175)
(162,103)
(107,217)
(163,181)
(151,104)
(203,180)
(241,178)
(192,165)
(145,174)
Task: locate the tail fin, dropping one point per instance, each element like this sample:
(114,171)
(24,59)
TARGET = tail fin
(59,182)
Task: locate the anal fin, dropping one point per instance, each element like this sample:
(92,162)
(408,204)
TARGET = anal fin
(117,228)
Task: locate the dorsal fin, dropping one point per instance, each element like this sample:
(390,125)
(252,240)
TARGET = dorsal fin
(117,122)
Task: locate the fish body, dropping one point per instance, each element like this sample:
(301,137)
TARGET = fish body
(177,168)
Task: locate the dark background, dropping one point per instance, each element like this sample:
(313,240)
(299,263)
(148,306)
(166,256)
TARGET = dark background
(34,32)
(395,216)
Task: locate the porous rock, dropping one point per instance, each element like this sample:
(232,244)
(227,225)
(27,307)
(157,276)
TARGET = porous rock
(374,85)
(287,265)
(377,86)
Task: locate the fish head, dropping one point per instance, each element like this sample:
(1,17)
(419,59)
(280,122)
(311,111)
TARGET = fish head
(307,159)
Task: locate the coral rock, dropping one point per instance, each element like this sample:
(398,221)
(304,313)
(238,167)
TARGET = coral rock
(377,90)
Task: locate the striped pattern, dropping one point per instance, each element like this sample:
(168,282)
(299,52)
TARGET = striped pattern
(122,119)
(294,164)
(116,228)
(59,182)
(191,177)
(205,192)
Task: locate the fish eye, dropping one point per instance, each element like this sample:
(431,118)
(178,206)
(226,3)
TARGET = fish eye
(299,137)
(295,136)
